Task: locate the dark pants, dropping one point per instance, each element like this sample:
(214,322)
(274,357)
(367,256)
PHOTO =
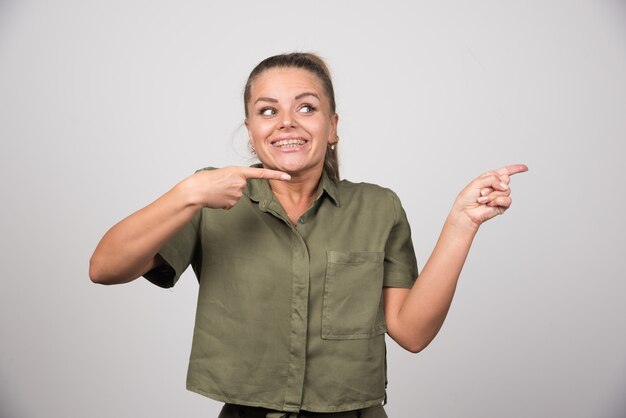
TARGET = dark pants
(237,411)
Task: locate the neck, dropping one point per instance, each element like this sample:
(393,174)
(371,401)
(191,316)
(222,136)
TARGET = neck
(297,194)
(300,187)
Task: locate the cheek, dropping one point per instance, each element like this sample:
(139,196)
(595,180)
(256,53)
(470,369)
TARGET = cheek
(257,131)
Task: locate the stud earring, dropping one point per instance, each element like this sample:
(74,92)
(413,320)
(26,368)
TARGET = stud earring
(334,144)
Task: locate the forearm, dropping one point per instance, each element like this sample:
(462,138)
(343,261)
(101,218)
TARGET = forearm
(426,305)
(129,248)
(415,316)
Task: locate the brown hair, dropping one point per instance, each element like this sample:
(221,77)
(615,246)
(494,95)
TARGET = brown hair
(314,64)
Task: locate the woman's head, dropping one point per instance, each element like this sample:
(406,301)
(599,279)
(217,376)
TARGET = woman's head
(308,73)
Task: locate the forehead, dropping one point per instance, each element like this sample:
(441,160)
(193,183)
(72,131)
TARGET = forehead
(277,82)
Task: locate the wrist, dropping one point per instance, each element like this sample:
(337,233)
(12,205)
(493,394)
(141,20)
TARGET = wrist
(186,194)
(461,223)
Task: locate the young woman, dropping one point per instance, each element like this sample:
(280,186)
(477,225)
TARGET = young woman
(301,274)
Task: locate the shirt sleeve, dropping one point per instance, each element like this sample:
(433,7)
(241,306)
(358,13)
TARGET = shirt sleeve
(400,263)
(178,253)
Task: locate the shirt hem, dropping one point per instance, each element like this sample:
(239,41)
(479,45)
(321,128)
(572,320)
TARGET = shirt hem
(283,408)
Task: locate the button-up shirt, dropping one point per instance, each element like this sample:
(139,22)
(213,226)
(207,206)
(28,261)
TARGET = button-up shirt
(290,317)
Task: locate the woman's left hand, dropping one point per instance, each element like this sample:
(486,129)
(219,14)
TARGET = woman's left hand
(415,316)
(487,196)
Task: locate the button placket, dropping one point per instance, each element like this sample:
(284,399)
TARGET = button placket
(299,322)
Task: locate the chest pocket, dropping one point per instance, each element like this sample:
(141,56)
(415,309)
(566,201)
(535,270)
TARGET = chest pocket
(353,305)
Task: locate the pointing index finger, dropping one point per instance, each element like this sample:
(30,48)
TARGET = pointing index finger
(265,173)
(512,169)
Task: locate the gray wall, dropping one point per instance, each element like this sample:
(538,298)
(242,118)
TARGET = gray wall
(106,105)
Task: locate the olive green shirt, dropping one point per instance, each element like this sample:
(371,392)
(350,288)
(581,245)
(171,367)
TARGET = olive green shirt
(291,317)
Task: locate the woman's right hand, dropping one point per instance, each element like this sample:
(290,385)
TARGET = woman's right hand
(129,249)
(223,187)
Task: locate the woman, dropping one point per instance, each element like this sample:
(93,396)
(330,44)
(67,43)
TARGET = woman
(300,274)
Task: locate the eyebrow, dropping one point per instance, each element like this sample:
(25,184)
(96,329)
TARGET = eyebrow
(265,99)
(298,97)
(307,93)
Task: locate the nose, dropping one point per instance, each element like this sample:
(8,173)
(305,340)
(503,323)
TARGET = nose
(288,121)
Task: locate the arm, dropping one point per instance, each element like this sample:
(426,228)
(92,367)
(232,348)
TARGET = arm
(415,316)
(130,248)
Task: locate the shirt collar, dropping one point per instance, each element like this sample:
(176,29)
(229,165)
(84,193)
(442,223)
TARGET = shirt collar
(259,190)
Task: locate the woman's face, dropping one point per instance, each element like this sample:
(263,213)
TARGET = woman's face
(289,121)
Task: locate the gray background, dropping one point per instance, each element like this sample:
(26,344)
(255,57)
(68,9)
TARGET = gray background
(106,105)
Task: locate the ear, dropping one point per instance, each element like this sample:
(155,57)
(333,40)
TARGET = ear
(334,121)
(247,125)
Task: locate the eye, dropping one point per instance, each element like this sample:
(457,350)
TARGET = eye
(267,111)
(306,109)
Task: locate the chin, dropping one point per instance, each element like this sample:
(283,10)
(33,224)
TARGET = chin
(290,166)
(293,164)
(289,169)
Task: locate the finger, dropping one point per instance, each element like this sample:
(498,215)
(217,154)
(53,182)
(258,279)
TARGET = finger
(484,213)
(498,210)
(487,174)
(494,182)
(512,169)
(503,202)
(264,173)
(492,196)
(485,191)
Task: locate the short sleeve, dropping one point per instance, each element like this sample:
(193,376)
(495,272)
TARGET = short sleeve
(400,263)
(178,253)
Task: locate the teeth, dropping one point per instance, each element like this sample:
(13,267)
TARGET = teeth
(289,143)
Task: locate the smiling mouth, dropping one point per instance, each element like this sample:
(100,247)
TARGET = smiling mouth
(289,143)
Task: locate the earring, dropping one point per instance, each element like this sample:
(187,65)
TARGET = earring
(333,145)
(252,150)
